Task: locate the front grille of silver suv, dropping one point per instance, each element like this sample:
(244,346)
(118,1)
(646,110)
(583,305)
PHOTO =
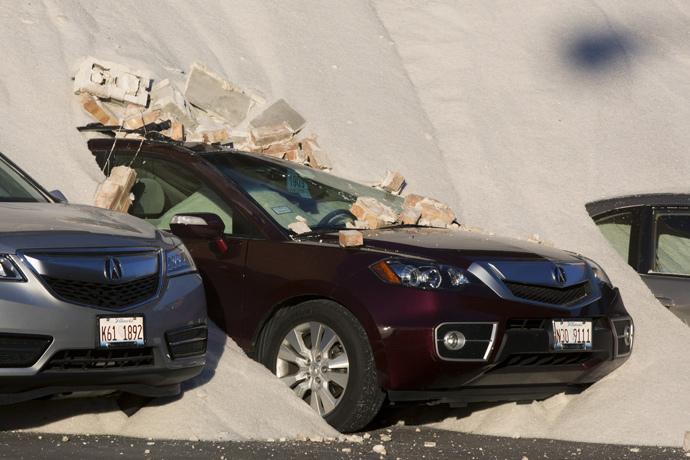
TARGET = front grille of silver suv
(115,280)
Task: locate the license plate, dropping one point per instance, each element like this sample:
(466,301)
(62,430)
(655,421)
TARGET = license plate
(121,330)
(572,335)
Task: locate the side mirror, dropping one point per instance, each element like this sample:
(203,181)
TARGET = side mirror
(58,195)
(204,225)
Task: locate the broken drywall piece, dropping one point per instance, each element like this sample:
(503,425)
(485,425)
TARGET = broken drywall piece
(220,98)
(280,112)
(109,80)
(166,98)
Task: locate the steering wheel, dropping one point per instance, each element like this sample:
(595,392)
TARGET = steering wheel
(334,216)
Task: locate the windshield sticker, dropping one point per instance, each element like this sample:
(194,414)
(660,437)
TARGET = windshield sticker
(282,210)
(296,184)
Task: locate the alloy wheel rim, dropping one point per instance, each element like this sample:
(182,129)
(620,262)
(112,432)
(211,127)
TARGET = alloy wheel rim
(314,363)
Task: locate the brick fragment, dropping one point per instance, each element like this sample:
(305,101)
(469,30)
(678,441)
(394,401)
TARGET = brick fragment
(177,132)
(373,213)
(113,193)
(392,182)
(410,215)
(297,156)
(319,160)
(433,215)
(215,137)
(282,148)
(97,110)
(137,117)
(412,200)
(350,238)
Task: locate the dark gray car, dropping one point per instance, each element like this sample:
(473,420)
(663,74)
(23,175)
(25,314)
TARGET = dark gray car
(652,233)
(92,299)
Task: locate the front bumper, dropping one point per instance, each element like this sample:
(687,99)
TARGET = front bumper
(517,361)
(48,346)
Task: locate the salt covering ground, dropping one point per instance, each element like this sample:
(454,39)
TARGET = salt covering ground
(515,114)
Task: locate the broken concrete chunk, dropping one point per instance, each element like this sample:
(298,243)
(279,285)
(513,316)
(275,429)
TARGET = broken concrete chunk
(392,182)
(280,112)
(350,238)
(299,227)
(97,110)
(172,104)
(216,96)
(109,80)
(265,136)
(282,148)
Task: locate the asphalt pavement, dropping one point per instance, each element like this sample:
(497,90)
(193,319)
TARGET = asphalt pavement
(395,442)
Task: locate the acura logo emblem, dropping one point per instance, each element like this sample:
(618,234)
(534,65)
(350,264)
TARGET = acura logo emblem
(559,275)
(113,269)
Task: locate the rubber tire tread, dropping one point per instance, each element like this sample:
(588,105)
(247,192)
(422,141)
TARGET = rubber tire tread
(363,397)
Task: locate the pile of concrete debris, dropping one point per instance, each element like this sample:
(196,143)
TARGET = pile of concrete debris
(116,95)
(208,110)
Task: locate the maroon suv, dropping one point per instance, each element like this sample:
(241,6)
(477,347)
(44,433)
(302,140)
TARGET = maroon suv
(413,314)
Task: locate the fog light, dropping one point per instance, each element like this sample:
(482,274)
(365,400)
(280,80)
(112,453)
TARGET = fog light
(628,336)
(454,340)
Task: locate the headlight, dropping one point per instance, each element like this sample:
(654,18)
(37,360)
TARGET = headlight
(422,275)
(599,273)
(179,261)
(9,270)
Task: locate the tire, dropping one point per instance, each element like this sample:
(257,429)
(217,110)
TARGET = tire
(335,375)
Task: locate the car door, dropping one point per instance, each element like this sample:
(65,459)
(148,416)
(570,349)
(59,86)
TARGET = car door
(166,187)
(667,268)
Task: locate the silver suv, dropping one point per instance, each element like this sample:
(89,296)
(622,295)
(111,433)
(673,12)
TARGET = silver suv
(92,299)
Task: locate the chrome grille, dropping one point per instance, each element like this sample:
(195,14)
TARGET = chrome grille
(110,296)
(555,296)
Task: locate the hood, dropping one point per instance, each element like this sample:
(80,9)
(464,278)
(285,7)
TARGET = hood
(62,225)
(442,244)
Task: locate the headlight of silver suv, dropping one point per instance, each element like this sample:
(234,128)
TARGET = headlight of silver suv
(9,270)
(179,261)
(423,275)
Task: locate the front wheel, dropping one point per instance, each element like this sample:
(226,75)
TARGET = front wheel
(319,349)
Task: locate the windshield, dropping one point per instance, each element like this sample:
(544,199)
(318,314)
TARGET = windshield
(14,187)
(285,190)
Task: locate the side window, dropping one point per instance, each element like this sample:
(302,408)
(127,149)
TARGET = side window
(617,229)
(672,242)
(164,188)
